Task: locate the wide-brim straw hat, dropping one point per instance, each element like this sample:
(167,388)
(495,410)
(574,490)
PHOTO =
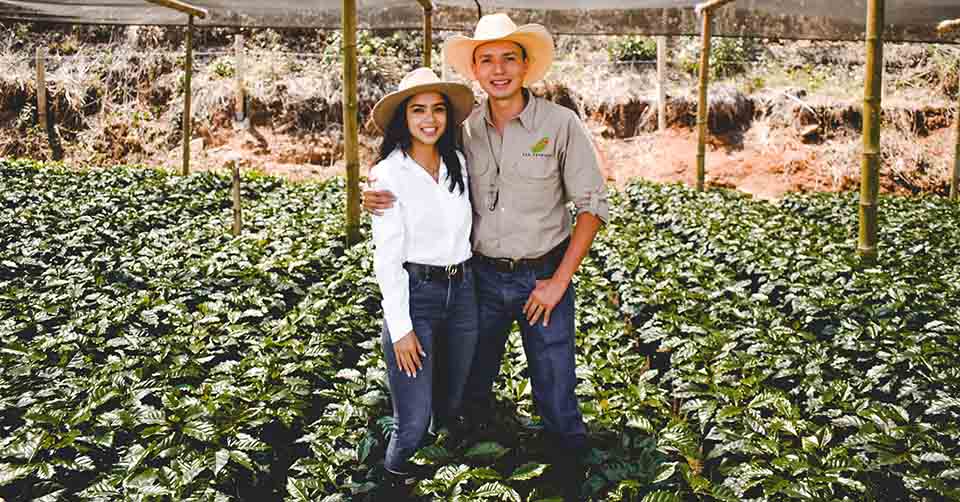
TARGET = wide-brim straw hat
(534,38)
(419,81)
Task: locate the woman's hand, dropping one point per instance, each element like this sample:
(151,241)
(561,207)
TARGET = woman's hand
(408,351)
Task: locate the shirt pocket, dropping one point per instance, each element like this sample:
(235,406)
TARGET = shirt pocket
(538,166)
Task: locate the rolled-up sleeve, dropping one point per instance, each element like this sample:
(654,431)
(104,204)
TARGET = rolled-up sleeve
(583,182)
(388,258)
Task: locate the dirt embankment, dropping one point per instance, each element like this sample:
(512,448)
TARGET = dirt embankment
(128,109)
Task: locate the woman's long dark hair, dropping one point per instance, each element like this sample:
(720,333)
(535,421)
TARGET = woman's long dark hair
(398,135)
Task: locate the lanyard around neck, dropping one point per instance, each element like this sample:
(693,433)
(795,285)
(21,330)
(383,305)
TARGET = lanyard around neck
(493,191)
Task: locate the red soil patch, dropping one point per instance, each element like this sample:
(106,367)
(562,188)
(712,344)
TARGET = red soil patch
(764,163)
(670,157)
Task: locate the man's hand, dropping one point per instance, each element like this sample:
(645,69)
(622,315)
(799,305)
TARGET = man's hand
(544,297)
(376,202)
(547,294)
(408,351)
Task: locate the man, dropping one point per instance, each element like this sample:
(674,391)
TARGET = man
(527,157)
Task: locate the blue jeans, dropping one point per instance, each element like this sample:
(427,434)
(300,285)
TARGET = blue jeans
(444,315)
(549,350)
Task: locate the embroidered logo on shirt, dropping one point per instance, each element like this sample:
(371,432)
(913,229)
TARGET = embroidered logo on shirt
(537,149)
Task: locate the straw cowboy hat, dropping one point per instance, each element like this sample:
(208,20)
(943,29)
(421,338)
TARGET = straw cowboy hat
(534,38)
(419,81)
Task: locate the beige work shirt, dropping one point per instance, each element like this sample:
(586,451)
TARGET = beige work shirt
(546,159)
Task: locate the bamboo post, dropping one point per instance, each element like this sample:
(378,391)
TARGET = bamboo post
(870,165)
(702,105)
(661,83)
(240,112)
(955,179)
(705,11)
(944,27)
(42,88)
(444,73)
(427,36)
(710,5)
(237,220)
(188,76)
(184,7)
(350,125)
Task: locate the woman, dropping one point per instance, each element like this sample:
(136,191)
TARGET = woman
(421,259)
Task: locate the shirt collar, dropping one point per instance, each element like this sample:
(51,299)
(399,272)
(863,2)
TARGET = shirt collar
(407,162)
(527,116)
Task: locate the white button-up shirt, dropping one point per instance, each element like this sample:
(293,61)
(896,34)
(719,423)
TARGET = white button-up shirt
(428,224)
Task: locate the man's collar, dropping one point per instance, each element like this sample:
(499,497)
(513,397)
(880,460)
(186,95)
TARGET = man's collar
(526,116)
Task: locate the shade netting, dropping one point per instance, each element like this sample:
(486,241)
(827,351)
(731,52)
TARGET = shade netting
(908,20)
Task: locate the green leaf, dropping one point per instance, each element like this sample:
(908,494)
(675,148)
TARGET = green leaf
(363,449)
(221,457)
(10,473)
(661,496)
(431,455)
(640,422)
(498,491)
(449,476)
(301,490)
(487,449)
(51,497)
(242,459)
(201,431)
(485,474)
(665,472)
(528,471)
(934,457)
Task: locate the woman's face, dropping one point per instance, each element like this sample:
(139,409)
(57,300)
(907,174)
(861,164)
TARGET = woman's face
(426,117)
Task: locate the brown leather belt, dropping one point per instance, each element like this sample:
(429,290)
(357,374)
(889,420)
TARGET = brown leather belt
(435,272)
(510,265)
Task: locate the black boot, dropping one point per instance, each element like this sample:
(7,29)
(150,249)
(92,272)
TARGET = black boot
(570,475)
(569,471)
(395,488)
(476,420)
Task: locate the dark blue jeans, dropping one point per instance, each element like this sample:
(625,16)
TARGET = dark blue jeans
(549,350)
(444,315)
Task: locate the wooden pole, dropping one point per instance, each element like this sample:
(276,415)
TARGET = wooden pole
(240,106)
(955,179)
(661,83)
(350,120)
(444,72)
(184,7)
(427,37)
(702,105)
(945,27)
(870,165)
(237,220)
(705,11)
(42,88)
(187,95)
(710,5)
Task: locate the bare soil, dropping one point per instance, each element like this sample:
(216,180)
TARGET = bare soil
(766,163)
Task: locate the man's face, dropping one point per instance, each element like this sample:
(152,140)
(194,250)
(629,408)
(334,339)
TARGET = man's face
(500,68)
